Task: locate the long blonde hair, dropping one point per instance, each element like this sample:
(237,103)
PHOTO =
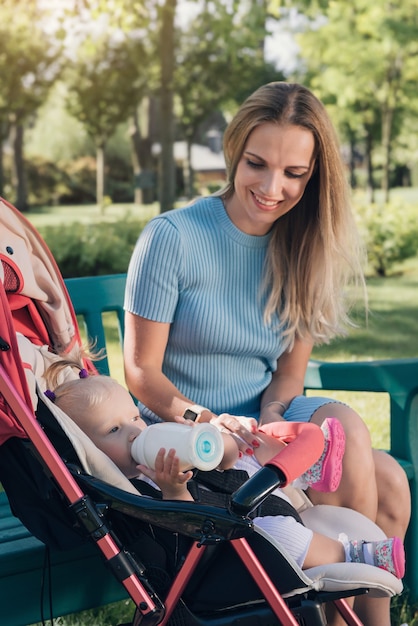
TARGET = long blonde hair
(314,252)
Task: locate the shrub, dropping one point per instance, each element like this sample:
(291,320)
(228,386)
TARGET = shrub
(93,249)
(390,233)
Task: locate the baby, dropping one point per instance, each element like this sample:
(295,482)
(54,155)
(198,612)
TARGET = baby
(105,411)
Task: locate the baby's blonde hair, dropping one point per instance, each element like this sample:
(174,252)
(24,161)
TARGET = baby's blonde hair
(77,395)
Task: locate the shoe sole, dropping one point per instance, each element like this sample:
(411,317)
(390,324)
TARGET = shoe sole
(332,464)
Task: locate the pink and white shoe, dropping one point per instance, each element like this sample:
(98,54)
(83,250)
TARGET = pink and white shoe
(325,474)
(388,554)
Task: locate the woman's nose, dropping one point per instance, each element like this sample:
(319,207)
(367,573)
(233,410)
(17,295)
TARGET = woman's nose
(273,184)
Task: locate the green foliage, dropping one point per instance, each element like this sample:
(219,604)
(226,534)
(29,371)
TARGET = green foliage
(109,615)
(105,85)
(370,82)
(390,232)
(220,42)
(402,611)
(28,60)
(93,249)
(73,182)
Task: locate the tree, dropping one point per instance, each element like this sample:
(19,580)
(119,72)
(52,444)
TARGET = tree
(220,60)
(104,86)
(167,179)
(29,65)
(128,20)
(373,74)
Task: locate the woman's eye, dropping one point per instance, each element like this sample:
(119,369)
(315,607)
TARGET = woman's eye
(294,175)
(254,164)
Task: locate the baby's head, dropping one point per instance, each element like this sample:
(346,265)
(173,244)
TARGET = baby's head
(105,411)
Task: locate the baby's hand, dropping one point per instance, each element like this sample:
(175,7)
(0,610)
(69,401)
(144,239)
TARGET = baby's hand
(167,476)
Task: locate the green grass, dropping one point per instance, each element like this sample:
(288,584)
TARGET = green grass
(88,214)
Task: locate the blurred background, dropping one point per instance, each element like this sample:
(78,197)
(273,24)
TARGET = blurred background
(126,100)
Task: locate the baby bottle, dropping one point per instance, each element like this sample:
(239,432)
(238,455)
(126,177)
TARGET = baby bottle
(200,446)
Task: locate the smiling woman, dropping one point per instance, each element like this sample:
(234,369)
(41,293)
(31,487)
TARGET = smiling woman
(225,298)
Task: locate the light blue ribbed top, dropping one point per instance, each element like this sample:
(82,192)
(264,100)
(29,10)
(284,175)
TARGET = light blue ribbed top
(193,268)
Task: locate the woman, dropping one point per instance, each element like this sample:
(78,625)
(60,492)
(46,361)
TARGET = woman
(226,298)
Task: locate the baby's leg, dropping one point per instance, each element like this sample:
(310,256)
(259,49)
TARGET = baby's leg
(310,549)
(325,474)
(325,453)
(268,447)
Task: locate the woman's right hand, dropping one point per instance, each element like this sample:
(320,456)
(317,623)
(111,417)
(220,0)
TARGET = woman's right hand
(243,429)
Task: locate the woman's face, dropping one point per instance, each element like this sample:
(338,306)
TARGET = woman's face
(271,176)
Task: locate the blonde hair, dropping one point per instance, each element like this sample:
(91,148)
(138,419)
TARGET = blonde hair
(77,396)
(314,252)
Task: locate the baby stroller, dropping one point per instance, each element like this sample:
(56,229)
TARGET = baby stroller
(182,563)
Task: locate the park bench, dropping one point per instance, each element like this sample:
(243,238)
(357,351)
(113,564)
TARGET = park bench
(79,579)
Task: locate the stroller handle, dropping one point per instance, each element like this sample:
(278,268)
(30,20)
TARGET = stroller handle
(256,489)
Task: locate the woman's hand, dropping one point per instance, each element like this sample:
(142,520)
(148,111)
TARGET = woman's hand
(243,429)
(167,476)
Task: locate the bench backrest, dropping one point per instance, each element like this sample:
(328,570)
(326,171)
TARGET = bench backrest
(91,297)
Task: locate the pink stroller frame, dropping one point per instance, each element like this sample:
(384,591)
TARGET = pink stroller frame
(215,538)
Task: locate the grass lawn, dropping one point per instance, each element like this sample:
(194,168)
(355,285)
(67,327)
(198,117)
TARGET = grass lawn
(88,214)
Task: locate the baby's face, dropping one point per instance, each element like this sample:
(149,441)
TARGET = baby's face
(113,426)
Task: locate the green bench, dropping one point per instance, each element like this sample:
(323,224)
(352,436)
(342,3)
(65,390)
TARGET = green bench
(79,578)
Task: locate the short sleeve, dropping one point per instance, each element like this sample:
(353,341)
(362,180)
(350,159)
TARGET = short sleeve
(153,280)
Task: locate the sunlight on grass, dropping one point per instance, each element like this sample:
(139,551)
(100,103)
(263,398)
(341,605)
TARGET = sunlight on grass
(89,214)
(373,407)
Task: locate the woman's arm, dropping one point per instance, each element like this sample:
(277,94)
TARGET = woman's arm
(144,348)
(286,383)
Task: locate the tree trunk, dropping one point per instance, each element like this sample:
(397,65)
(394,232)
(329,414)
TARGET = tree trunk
(3,136)
(100,177)
(141,150)
(19,174)
(189,172)
(1,170)
(352,164)
(387,120)
(369,165)
(167,178)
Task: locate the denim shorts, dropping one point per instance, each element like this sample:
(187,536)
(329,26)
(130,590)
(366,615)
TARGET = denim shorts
(302,408)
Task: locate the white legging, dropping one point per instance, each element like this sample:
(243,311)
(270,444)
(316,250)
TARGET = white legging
(291,534)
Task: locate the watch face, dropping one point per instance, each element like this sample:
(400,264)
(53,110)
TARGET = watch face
(190,415)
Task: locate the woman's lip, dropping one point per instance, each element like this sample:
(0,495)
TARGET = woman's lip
(269,204)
